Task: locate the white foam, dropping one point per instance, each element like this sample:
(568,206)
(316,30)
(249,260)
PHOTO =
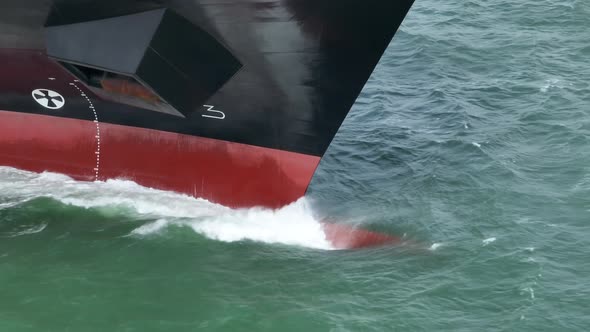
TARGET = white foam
(151,228)
(11,204)
(530,291)
(291,225)
(550,83)
(435,246)
(488,241)
(29,231)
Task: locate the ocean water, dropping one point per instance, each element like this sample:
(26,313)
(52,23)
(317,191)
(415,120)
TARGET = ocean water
(471,139)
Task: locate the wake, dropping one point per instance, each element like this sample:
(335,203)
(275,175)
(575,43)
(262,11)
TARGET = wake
(294,224)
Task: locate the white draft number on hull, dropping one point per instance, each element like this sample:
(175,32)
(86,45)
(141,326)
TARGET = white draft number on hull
(213,114)
(48,98)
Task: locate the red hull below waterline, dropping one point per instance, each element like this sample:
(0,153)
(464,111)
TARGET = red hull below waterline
(231,174)
(343,236)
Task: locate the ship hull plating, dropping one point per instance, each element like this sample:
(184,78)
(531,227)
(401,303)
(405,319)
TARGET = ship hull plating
(231,101)
(231,174)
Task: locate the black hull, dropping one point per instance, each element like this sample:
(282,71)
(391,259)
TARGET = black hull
(292,71)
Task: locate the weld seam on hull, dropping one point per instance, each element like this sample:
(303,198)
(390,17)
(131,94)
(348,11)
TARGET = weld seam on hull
(91,106)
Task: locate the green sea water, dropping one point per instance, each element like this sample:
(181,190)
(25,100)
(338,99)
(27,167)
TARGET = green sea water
(472,140)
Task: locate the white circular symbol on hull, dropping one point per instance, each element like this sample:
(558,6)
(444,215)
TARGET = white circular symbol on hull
(48,98)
